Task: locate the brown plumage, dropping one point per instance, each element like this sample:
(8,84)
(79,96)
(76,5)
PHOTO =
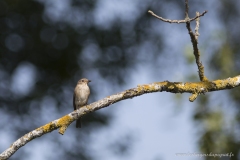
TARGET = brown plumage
(80,96)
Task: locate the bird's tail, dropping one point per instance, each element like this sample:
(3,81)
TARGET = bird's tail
(78,123)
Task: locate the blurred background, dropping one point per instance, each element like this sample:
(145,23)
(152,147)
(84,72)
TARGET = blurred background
(46,46)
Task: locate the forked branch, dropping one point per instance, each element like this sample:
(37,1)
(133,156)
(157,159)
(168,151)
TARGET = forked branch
(193,36)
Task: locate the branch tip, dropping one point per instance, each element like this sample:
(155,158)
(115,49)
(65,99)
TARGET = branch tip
(62,130)
(193,97)
(149,11)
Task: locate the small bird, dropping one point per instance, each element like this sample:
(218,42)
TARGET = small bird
(80,96)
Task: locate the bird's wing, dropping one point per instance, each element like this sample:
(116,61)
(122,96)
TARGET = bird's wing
(74,106)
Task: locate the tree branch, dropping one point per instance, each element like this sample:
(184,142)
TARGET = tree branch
(195,88)
(194,40)
(193,36)
(176,21)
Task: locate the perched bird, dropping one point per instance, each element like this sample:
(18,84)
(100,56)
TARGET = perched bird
(80,96)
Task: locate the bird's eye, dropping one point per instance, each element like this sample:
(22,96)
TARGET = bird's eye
(82,80)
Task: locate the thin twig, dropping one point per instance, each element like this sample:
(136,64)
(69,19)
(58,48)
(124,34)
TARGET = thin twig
(176,21)
(193,36)
(194,40)
(186,10)
(197,26)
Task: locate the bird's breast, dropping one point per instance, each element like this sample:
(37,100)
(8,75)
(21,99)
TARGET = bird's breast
(81,95)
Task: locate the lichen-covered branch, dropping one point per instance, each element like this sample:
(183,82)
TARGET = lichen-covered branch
(195,88)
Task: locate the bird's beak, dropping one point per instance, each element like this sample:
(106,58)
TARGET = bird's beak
(89,81)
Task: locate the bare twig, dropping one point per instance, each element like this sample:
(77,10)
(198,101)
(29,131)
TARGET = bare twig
(186,10)
(193,36)
(174,87)
(175,21)
(194,39)
(197,26)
